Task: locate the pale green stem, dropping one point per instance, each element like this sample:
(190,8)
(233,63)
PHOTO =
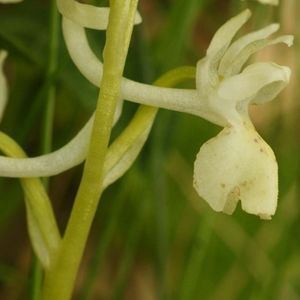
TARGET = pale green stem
(59,281)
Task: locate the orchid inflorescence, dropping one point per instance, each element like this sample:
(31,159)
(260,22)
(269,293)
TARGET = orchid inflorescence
(235,165)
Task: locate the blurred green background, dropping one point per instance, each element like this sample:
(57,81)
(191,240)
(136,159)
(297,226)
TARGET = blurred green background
(153,237)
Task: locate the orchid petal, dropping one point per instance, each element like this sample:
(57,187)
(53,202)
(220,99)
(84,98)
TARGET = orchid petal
(222,38)
(252,48)
(237,165)
(207,76)
(250,84)
(237,46)
(3,84)
(258,83)
(86,15)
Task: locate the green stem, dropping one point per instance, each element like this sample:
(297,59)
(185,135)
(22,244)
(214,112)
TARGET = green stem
(60,279)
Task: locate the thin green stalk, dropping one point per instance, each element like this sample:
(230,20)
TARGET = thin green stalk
(60,279)
(46,145)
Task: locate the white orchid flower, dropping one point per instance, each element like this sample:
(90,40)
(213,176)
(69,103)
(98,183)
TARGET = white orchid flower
(224,92)
(238,164)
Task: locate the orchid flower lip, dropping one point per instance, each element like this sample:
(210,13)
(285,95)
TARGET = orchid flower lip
(251,172)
